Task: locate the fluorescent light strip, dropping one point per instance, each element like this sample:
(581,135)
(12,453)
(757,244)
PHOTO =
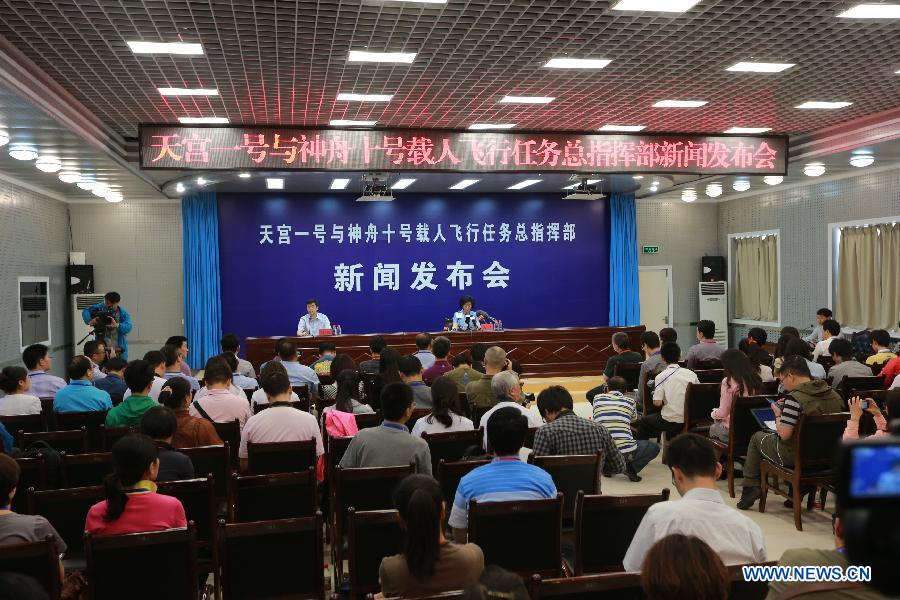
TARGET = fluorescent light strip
(631,128)
(675,6)
(528,99)
(244,175)
(824,105)
(165,48)
(482,126)
(351,123)
(680,104)
(523,184)
(748,130)
(576,63)
(202,120)
(760,67)
(420,1)
(381,57)
(402,184)
(339,184)
(575,185)
(464,184)
(872,11)
(350,97)
(171,91)
(275,183)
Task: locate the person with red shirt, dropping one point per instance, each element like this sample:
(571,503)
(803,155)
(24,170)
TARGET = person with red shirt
(890,370)
(440,349)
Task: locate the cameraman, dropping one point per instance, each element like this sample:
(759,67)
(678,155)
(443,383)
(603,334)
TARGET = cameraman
(119,320)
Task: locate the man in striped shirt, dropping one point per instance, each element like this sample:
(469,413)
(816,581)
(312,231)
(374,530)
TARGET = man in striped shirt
(615,411)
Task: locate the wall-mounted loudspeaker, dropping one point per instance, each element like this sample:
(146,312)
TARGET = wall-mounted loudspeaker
(80,278)
(713,268)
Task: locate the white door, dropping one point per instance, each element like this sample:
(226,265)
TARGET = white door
(656,301)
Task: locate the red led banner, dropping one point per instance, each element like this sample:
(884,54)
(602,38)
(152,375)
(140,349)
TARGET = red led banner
(284,149)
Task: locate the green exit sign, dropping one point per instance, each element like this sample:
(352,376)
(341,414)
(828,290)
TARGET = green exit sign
(651,249)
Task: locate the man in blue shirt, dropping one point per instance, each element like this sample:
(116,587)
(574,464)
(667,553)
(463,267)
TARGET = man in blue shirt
(114,382)
(37,360)
(298,373)
(81,395)
(506,477)
(120,324)
(95,351)
(313,321)
(423,343)
(240,381)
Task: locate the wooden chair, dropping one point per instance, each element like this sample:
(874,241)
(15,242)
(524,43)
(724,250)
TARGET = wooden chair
(710,375)
(116,399)
(334,452)
(368,381)
(454,595)
(630,372)
(304,396)
(572,474)
(259,407)
(249,394)
(198,497)
(371,536)
(605,526)
(48,412)
(66,510)
(280,457)
(32,474)
(275,496)
(826,362)
(92,420)
(522,536)
(621,586)
(70,442)
(39,560)
(366,420)
(741,427)
(451,446)
(26,423)
(704,365)
(450,473)
(82,470)
(418,413)
(529,437)
(851,386)
(647,399)
(477,412)
(273,559)
(741,589)
(230,433)
(770,388)
(118,562)
(111,435)
(699,401)
(211,461)
(815,440)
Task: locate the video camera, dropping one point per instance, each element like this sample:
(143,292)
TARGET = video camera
(104,316)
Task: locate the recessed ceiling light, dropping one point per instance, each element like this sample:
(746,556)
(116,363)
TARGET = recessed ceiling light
(481,126)
(274,183)
(23,152)
(69,176)
(100,189)
(741,185)
(773,179)
(714,190)
(814,169)
(622,128)
(201,181)
(179,187)
(862,160)
(4,138)
(656,5)
(576,63)
(872,11)
(114,197)
(575,185)
(527,99)
(402,184)
(654,188)
(348,97)
(165,48)
(748,130)
(823,105)
(244,175)
(339,184)
(381,57)
(351,123)
(86,184)
(421,1)
(523,184)
(461,185)
(689,195)
(760,67)
(637,177)
(202,120)
(48,164)
(172,91)
(680,104)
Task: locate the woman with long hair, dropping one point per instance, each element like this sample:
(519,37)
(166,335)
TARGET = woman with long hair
(445,412)
(759,358)
(388,372)
(740,379)
(338,418)
(132,504)
(339,363)
(428,564)
(682,567)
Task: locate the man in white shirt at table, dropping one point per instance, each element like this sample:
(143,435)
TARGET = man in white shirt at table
(313,321)
(700,512)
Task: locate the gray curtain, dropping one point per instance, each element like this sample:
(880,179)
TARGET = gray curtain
(756,278)
(868,286)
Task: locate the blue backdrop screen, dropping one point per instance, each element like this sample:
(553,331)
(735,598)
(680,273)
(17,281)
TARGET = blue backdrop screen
(531,261)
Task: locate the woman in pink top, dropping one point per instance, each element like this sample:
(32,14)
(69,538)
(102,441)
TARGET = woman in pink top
(740,379)
(339,419)
(132,504)
(891,407)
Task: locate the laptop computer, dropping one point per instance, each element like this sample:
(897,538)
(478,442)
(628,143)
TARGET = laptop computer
(765,417)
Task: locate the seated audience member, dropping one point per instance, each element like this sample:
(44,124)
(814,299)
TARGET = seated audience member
(477,351)
(566,433)
(281,422)
(881,345)
(388,372)
(797,347)
(341,362)
(508,391)
(322,364)
(889,373)
(700,512)
(621,345)
(497,583)
(480,392)
(669,389)
(841,351)
(428,563)
(157,360)
(376,345)
(7,439)
(891,406)
(440,348)
(706,348)
(338,418)
(390,444)
(231,345)
(174,359)
(651,367)
(114,382)
(276,357)
(298,373)
(615,411)
(740,379)
(80,395)
(160,424)
(822,315)
(220,405)
(831,330)
(95,351)
(15,383)
(463,374)
(757,336)
(806,396)
(423,343)
(444,415)
(237,380)
(38,361)
(684,567)
(139,377)
(506,477)
(259,396)
(411,375)
(132,504)
(190,431)
(348,396)
(668,334)
(180,343)
(758,359)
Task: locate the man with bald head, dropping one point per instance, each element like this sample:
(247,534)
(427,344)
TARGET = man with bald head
(479,392)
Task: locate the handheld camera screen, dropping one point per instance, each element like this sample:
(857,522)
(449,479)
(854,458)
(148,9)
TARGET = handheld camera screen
(875,472)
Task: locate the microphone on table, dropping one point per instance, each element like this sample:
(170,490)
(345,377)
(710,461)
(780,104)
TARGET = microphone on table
(483,315)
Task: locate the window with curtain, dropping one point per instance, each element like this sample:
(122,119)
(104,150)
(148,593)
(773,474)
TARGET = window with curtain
(755,277)
(868,276)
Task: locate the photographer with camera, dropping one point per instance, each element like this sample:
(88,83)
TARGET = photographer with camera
(109,319)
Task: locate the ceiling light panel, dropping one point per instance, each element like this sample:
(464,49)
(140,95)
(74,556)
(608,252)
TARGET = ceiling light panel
(165,48)
(274,183)
(748,130)
(349,97)
(872,11)
(623,128)
(577,63)
(340,183)
(203,120)
(673,6)
(759,67)
(680,104)
(364,56)
(402,184)
(527,99)
(483,126)
(823,105)
(461,185)
(351,123)
(523,184)
(173,91)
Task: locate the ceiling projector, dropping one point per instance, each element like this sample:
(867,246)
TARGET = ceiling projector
(375,188)
(584,191)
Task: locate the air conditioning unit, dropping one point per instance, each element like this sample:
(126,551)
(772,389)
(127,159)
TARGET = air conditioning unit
(714,307)
(79,329)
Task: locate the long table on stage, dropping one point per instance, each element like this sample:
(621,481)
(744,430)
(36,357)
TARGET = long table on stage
(568,351)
